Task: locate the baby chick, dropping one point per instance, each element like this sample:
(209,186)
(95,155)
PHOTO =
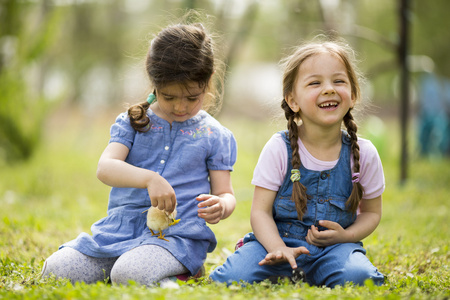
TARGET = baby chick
(158,220)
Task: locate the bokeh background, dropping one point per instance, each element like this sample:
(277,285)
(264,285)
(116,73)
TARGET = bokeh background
(69,67)
(85,57)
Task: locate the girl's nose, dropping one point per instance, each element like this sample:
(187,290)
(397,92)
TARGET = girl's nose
(328,90)
(180,105)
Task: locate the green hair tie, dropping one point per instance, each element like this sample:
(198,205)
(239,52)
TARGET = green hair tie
(295,175)
(151,98)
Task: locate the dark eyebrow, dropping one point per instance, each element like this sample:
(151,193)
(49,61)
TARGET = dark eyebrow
(170,95)
(196,95)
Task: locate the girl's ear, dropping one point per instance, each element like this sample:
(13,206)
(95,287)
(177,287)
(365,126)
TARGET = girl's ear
(353,101)
(290,100)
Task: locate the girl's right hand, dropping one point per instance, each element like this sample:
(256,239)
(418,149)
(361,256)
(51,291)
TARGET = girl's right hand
(282,255)
(161,193)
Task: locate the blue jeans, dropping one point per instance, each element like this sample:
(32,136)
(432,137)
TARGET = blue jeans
(329,266)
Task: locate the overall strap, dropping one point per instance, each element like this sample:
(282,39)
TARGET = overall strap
(286,181)
(285,135)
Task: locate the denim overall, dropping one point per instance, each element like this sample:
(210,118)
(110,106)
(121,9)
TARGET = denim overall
(327,192)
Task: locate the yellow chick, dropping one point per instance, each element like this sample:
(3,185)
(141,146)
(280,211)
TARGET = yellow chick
(158,220)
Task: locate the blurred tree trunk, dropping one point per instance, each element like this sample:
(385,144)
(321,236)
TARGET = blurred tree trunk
(243,31)
(403,49)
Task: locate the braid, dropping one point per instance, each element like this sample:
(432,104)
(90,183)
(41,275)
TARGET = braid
(138,117)
(299,196)
(358,190)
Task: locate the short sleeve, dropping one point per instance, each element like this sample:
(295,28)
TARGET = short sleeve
(271,168)
(224,151)
(372,176)
(122,132)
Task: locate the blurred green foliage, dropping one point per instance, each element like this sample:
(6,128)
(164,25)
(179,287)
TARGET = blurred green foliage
(23,47)
(60,53)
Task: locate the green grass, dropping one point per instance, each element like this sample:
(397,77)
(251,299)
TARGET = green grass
(53,197)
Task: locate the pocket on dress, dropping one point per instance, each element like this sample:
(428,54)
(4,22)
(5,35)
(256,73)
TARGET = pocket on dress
(337,212)
(285,208)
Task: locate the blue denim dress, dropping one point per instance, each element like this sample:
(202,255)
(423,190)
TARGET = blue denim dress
(183,154)
(327,192)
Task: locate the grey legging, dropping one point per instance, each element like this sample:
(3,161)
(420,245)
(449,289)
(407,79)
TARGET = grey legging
(147,265)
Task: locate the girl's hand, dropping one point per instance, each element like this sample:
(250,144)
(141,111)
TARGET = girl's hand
(162,194)
(335,234)
(282,255)
(114,171)
(211,208)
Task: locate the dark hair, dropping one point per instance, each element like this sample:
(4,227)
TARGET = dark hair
(291,66)
(179,53)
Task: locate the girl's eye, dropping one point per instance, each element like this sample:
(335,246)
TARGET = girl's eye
(314,83)
(192,99)
(167,98)
(340,81)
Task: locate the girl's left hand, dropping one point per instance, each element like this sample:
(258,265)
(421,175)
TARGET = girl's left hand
(211,208)
(335,234)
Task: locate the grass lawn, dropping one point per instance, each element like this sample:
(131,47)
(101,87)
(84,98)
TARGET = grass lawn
(53,197)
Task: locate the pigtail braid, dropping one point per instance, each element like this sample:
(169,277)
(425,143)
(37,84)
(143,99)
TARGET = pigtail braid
(299,196)
(138,117)
(358,190)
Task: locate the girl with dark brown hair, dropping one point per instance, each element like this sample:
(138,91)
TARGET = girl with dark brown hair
(166,152)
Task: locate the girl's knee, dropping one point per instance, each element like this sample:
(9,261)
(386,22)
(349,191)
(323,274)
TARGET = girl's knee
(58,264)
(75,266)
(240,272)
(357,270)
(242,266)
(224,274)
(144,265)
(358,276)
(236,269)
(123,273)
(119,274)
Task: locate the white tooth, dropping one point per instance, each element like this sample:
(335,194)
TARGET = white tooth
(328,104)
